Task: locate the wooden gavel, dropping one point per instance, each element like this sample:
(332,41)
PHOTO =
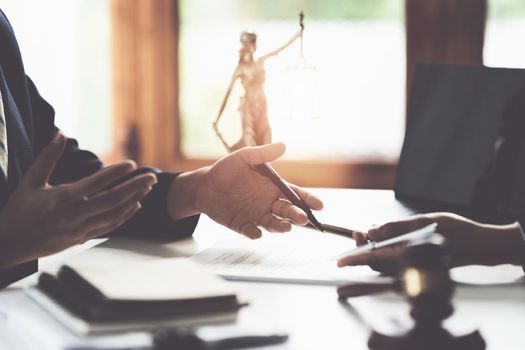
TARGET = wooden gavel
(425,282)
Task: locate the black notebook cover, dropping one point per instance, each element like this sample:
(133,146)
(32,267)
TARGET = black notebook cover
(74,293)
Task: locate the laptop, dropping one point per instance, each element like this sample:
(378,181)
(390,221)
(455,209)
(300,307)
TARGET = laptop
(463,150)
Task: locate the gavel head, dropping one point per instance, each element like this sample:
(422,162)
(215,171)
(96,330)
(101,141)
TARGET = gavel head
(426,282)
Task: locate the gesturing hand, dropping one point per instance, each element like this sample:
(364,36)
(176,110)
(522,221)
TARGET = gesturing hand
(40,219)
(234,194)
(468,242)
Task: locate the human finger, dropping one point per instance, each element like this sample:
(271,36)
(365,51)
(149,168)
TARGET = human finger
(377,258)
(261,154)
(40,171)
(359,259)
(250,230)
(140,185)
(89,217)
(311,200)
(287,210)
(110,226)
(360,238)
(111,217)
(102,179)
(396,228)
(273,224)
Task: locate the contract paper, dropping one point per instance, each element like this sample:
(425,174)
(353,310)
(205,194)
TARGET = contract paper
(302,257)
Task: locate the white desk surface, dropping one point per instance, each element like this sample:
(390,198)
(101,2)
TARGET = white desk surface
(312,315)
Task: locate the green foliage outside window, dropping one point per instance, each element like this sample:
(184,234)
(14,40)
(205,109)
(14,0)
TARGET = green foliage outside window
(326,9)
(506,9)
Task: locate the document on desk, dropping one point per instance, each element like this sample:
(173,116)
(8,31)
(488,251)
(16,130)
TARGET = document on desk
(297,257)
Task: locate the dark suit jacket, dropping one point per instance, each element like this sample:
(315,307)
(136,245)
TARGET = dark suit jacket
(30,126)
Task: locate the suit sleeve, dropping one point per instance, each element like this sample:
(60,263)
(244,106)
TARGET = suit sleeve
(152,220)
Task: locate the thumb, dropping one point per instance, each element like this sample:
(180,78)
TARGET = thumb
(262,154)
(43,166)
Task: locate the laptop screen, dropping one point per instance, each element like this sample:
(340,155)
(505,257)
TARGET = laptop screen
(454,125)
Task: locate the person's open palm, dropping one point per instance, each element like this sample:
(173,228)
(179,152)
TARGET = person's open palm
(40,219)
(234,194)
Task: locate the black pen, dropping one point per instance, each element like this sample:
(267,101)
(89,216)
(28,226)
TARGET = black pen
(341,231)
(173,339)
(253,341)
(266,170)
(176,342)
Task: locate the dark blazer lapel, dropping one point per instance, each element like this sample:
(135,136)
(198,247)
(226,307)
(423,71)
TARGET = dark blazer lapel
(19,146)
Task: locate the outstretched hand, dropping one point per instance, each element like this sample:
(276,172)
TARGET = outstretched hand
(468,242)
(40,219)
(234,194)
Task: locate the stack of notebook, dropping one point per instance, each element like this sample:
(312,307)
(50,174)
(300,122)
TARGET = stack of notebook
(141,296)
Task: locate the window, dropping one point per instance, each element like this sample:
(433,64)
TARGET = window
(504,35)
(357,47)
(65,45)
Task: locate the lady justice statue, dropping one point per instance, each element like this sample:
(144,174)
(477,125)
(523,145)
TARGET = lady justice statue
(253,109)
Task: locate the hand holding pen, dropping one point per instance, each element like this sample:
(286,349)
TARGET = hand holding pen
(267,170)
(234,194)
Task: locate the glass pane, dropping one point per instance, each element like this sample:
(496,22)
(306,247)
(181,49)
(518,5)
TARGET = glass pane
(358,87)
(504,35)
(65,45)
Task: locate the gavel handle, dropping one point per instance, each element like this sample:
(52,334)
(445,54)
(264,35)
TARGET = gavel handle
(357,289)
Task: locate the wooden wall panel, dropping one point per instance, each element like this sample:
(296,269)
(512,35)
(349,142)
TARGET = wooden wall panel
(145,60)
(123,62)
(444,31)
